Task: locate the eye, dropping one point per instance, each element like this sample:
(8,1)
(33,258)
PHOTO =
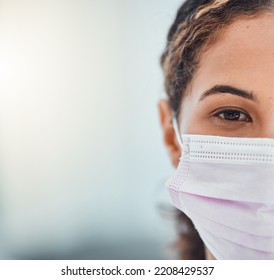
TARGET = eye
(233,115)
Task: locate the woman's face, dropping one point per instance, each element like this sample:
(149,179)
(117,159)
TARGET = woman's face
(232,93)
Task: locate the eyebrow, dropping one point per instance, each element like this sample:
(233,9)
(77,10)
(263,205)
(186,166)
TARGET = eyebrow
(219,89)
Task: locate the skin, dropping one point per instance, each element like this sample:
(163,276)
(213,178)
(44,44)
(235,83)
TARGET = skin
(242,58)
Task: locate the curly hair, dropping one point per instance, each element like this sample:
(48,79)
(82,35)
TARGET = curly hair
(198,24)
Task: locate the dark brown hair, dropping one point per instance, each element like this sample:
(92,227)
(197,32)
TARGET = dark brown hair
(197,26)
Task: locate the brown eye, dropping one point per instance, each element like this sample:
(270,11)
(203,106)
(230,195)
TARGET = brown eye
(233,115)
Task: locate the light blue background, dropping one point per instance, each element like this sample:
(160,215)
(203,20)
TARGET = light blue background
(82,158)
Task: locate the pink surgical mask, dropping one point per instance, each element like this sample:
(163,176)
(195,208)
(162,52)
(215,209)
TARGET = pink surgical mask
(226,187)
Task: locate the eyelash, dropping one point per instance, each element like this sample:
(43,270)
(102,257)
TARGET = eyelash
(233,111)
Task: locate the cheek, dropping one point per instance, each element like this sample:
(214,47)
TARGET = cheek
(192,120)
(198,125)
(187,115)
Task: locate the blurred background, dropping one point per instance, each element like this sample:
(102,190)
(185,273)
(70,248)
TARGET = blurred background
(82,159)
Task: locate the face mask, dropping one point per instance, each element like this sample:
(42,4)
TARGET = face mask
(226,187)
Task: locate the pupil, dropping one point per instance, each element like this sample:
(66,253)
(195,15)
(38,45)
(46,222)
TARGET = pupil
(232,115)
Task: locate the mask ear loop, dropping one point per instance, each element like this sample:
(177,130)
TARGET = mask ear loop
(176,129)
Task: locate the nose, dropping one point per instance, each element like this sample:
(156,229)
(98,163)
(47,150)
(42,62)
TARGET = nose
(267,127)
(265,121)
(267,135)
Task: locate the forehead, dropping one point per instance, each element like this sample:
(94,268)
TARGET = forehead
(243,56)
